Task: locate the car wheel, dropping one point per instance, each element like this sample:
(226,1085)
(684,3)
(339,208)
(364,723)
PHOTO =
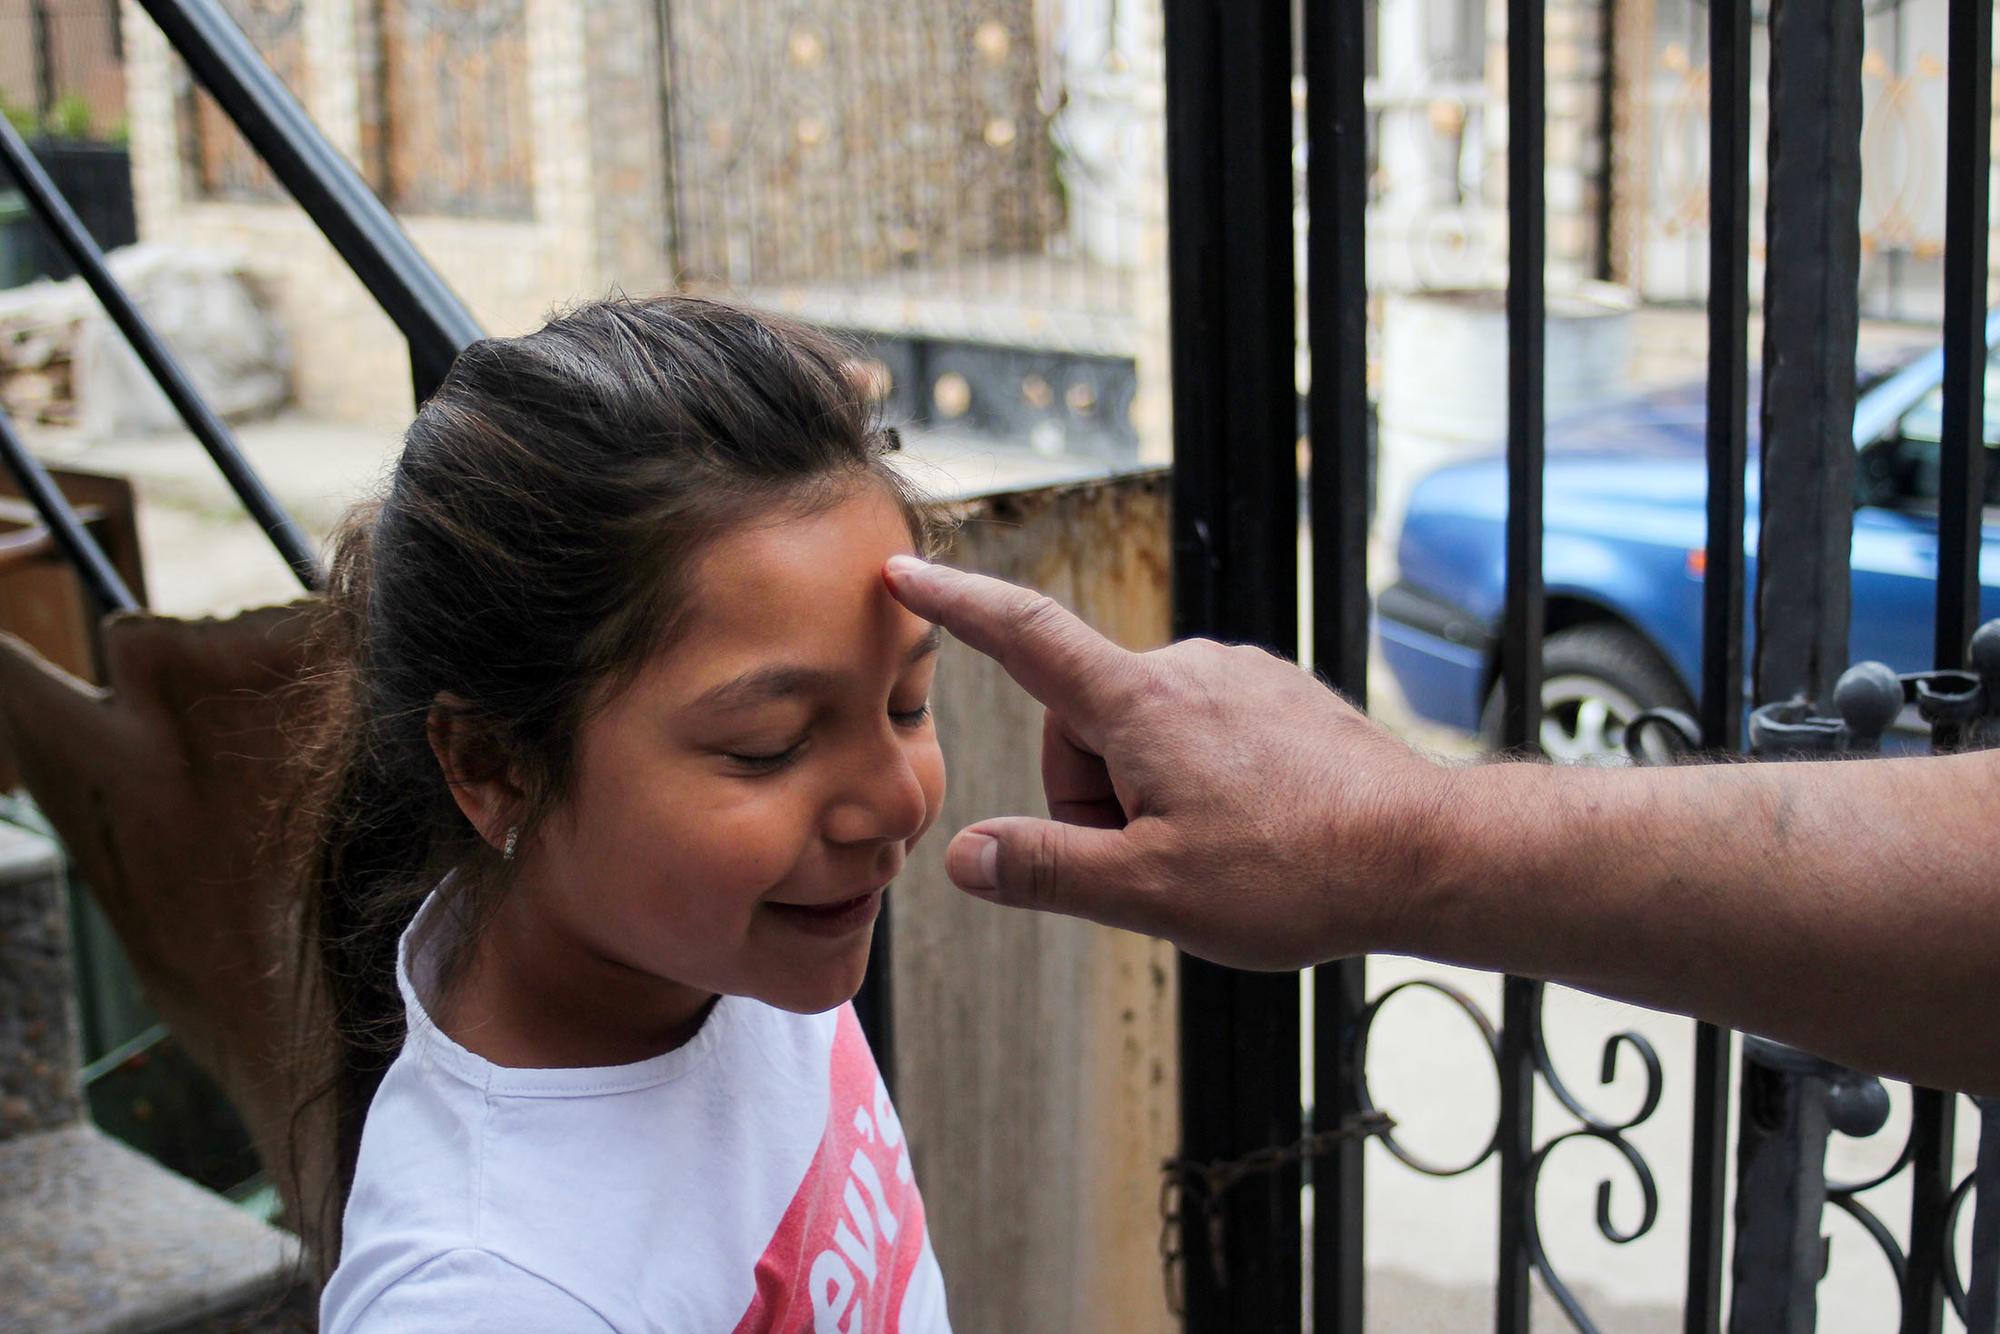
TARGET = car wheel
(1595,680)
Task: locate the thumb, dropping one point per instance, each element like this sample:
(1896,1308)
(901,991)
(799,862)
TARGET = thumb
(1048,866)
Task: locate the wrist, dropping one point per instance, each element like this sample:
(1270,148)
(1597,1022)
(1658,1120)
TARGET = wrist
(1483,832)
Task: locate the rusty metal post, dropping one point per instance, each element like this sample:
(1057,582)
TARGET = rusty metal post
(1792,1104)
(1811,320)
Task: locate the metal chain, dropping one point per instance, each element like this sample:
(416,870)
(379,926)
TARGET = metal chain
(1209,1182)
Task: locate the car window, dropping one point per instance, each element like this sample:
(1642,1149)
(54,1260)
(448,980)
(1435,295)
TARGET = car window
(1924,423)
(1903,469)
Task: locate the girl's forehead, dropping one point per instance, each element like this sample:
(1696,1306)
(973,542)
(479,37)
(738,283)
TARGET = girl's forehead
(807,577)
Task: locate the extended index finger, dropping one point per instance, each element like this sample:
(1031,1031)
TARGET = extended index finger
(1055,657)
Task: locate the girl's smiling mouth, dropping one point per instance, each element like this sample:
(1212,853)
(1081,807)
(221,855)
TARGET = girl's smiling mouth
(842,917)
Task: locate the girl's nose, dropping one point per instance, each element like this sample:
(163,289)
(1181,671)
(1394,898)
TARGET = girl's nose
(882,800)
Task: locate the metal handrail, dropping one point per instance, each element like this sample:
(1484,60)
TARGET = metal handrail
(167,372)
(363,231)
(64,524)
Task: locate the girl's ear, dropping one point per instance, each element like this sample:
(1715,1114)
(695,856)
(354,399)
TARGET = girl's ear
(480,782)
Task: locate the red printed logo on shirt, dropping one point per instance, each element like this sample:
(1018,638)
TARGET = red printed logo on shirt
(844,1252)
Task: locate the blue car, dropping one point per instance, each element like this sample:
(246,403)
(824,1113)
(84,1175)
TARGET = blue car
(1625,513)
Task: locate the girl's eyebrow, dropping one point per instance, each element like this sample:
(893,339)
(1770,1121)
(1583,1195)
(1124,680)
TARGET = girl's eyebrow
(777,681)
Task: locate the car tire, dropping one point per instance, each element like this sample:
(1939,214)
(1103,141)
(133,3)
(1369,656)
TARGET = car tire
(1595,679)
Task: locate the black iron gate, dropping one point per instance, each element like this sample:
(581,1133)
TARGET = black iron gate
(1230,69)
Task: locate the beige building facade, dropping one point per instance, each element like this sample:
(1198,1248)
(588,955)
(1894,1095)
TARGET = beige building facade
(590,165)
(982,170)
(541,152)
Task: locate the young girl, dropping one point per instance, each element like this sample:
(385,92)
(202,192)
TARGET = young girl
(638,739)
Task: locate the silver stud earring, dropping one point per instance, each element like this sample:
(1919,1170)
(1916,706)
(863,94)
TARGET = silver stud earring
(513,838)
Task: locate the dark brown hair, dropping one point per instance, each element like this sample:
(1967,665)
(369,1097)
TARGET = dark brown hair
(530,552)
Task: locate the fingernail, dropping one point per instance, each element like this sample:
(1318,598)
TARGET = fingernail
(907,565)
(985,862)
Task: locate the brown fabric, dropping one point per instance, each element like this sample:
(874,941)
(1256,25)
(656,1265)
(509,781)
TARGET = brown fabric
(178,793)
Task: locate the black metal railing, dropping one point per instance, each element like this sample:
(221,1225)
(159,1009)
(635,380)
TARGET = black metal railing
(339,203)
(1235,573)
(202,420)
(1233,345)
(362,230)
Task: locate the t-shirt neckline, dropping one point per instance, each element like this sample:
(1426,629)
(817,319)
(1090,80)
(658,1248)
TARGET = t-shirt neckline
(423,1037)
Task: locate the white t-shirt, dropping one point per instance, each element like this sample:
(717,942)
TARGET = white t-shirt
(754,1179)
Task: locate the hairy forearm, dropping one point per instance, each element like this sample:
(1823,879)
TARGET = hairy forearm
(1850,908)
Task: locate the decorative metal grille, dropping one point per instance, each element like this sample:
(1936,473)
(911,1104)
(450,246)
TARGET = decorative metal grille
(1237,575)
(451,130)
(811,142)
(899,164)
(1664,170)
(217,161)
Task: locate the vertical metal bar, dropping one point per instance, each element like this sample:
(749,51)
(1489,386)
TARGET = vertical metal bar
(1982,1285)
(670,90)
(1961,493)
(1521,646)
(1605,268)
(1517,1101)
(1780,1190)
(207,427)
(1708,1194)
(1962,478)
(1527,249)
(1728,373)
(1235,498)
(1335,56)
(1722,588)
(1811,319)
(92,565)
(1932,1130)
(42,42)
(1337,330)
(1962,464)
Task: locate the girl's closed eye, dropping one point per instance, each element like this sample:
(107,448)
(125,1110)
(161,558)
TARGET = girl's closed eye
(765,759)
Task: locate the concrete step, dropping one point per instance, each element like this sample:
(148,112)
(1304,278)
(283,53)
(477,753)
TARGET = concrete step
(96,1238)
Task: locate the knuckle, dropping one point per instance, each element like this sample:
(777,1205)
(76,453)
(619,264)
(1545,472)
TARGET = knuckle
(1036,616)
(1040,887)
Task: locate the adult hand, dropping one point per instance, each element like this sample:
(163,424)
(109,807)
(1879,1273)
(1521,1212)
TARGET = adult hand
(1217,796)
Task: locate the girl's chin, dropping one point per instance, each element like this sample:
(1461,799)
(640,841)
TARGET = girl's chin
(815,990)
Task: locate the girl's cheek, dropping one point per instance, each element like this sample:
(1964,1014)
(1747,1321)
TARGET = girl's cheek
(759,834)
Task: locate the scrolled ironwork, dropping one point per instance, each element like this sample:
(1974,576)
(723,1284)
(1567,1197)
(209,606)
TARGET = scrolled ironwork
(1878,1232)
(1488,1034)
(1592,1124)
(1643,1049)
(1867,1184)
(1538,1254)
(1954,1281)
(1606,1130)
